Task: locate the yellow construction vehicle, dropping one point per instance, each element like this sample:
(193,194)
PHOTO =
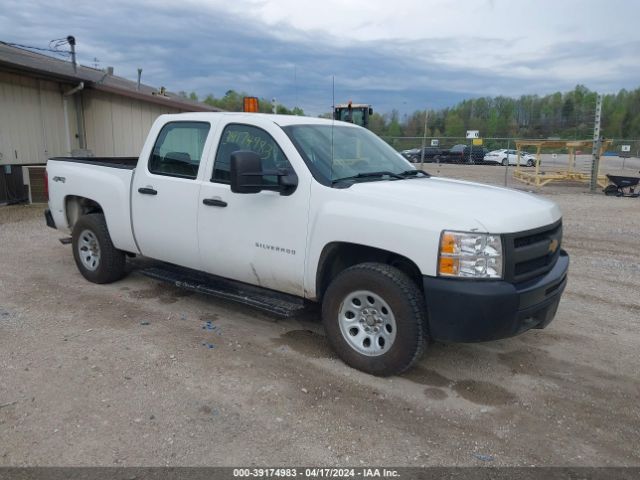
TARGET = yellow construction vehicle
(357,113)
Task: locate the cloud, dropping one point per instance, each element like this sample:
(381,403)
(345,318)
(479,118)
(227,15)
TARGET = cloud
(291,50)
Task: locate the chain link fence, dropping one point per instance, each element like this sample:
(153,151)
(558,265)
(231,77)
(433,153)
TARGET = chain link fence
(534,164)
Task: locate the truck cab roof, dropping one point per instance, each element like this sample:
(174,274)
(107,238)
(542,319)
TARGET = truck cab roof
(281,120)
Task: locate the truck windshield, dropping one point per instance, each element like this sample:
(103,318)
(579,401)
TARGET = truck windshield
(354,153)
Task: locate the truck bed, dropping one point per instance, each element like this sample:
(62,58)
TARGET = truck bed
(128,163)
(105,181)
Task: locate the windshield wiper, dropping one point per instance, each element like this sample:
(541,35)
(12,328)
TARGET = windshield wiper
(371,175)
(414,173)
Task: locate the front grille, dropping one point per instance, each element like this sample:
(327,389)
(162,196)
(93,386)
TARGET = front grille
(529,254)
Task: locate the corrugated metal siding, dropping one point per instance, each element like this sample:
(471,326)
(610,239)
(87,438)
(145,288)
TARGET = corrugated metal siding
(31,120)
(53,121)
(33,126)
(117,126)
(32,123)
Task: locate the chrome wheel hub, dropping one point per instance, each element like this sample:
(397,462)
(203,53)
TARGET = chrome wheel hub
(367,323)
(89,250)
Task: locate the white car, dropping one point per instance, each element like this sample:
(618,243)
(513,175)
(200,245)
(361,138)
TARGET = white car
(503,156)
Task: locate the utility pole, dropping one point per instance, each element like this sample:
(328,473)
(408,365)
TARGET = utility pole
(506,167)
(595,163)
(424,138)
(72,43)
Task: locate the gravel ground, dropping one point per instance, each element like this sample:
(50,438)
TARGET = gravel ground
(124,374)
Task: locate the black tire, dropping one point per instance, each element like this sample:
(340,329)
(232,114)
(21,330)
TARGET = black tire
(530,163)
(110,265)
(407,307)
(414,159)
(504,162)
(611,191)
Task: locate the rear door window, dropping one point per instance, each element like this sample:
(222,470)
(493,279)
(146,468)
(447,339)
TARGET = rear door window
(178,149)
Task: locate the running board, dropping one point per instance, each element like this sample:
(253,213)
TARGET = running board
(270,301)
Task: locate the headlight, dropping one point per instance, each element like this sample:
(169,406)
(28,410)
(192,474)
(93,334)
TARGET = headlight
(472,255)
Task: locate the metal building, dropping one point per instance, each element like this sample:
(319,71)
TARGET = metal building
(50,107)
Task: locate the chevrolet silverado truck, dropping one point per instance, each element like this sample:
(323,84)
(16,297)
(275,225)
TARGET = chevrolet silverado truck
(319,211)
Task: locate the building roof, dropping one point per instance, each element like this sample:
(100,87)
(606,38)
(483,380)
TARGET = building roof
(25,61)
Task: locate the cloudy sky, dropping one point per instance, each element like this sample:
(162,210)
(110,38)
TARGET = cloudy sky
(404,54)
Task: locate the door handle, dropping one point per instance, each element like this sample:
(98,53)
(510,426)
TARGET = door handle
(147,191)
(214,202)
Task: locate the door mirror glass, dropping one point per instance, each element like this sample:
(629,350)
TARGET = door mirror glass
(246,172)
(249,176)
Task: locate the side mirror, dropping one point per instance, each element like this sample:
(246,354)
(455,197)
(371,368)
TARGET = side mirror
(247,175)
(246,172)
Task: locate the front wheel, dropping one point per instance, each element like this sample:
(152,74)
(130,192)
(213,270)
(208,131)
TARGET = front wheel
(504,162)
(96,257)
(374,316)
(529,163)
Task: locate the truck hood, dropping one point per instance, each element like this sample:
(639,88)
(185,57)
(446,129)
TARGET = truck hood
(461,203)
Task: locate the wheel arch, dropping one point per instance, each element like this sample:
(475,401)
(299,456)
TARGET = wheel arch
(76,206)
(338,256)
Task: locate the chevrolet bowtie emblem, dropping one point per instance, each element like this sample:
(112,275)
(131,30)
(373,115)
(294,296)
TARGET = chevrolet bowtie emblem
(553,246)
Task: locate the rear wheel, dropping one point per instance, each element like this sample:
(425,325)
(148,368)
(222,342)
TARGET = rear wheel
(504,162)
(374,316)
(96,257)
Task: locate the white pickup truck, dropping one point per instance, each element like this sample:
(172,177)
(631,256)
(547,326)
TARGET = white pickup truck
(323,211)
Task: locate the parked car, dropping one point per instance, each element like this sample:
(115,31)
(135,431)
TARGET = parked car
(288,210)
(461,154)
(504,156)
(431,154)
(408,153)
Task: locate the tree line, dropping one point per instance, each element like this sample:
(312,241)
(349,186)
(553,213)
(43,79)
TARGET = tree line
(232,101)
(568,115)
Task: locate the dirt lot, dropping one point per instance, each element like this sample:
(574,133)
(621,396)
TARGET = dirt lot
(124,374)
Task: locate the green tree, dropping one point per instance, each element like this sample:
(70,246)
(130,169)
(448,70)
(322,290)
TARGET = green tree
(377,124)
(454,126)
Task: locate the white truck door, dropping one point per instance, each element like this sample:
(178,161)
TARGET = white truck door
(254,238)
(165,193)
